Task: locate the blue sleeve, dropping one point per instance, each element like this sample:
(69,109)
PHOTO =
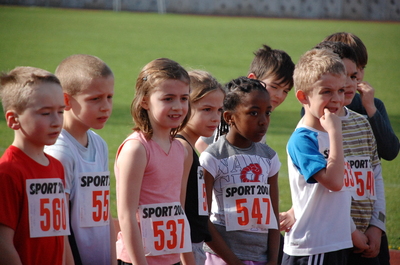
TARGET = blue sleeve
(303,149)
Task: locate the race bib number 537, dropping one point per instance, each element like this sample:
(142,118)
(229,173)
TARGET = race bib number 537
(48,215)
(165,229)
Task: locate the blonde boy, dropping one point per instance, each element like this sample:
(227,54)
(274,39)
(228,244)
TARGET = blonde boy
(88,85)
(33,219)
(323,228)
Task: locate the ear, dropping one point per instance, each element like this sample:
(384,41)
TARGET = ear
(145,103)
(302,97)
(12,120)
(228,117)
(252,76)
(67,101)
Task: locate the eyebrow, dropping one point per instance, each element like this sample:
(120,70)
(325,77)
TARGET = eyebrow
(48,107)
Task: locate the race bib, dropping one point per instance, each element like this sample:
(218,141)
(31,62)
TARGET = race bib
(94,197)
(201,192)
(364,178)
(48,215)
(248,206)
(165,229)
(349,178)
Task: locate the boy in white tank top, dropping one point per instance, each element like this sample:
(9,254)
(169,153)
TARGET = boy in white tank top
(88,85)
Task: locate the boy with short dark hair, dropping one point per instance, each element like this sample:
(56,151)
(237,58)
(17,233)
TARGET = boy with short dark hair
(368,208)
(88,85)
(275,69)
(369,106)
(33,215)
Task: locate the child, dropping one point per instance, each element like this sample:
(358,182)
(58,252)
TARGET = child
(88,85)
(321,203)
(33,217)
(366,104)
(149,169)
(206,99)
(374,109)
(241,177)
(274,68)
(368,203)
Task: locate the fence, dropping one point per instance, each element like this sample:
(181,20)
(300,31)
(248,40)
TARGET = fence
(381,10)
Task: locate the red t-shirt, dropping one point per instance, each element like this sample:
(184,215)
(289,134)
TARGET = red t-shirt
(16,170)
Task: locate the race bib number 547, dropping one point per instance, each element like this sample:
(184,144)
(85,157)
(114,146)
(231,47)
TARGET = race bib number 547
(248,206)
(48,215)
(165,229)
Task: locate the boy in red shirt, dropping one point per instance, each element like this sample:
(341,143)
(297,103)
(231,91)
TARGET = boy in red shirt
(33,217)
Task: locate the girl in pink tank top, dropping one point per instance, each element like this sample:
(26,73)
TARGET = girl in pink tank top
(149,169)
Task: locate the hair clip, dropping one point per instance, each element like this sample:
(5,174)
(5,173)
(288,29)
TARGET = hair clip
(144,78)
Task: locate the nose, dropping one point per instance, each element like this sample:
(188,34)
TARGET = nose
(337,97)
(107,105)
(58,120)
(177,106)
(279,94)
(180,104)
(216,117)
(264,120)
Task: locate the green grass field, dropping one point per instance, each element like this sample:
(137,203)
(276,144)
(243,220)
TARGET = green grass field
(224,46)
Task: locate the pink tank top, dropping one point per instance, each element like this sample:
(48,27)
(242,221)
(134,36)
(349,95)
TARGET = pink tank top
(161,183)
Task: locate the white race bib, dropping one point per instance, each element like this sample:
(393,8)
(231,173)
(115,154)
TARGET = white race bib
(48,215)
(364,178)
(201,192)
(349,179)
(165,229)
(94,197)
(248,206)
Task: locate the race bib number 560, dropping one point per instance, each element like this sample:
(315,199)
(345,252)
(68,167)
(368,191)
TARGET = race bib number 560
(48,215)
(165,229)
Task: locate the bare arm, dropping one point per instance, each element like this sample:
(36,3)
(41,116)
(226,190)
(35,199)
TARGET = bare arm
(287,220)
(201,145)
(218,244)
(68,256)
(113,240)
(273,234)
(131,163)
(332,176)
(8,253)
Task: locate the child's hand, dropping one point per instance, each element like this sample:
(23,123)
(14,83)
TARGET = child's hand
(367,93)
(374,235)
(360,241)
(330,121)
(286,220)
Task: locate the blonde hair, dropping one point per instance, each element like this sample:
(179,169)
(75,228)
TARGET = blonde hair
(150,77)
(77,71)
(202,83)
(18,85)
(312,65)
